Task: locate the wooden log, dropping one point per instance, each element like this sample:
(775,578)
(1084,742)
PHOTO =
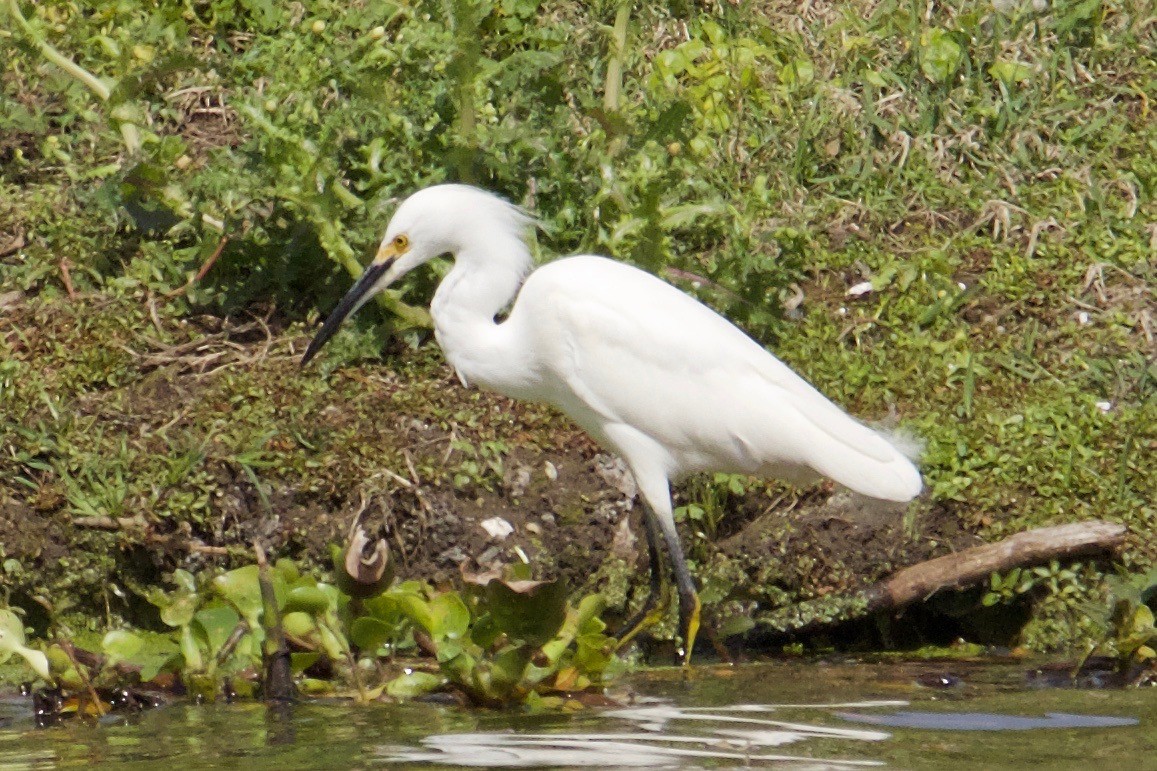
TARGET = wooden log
(968,567)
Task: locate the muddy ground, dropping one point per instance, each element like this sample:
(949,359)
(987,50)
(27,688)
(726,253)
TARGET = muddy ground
(258,449)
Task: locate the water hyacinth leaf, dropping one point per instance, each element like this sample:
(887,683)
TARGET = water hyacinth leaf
(241,588)
(179,609)
(302,660)
(590,608)
(149,651)
(121,646)
(449,650)
(299,625)
(507,670)
(532,611)
(413,684)
(12,640)
(287,569)
(593,653)
(216,622)
(386,609)
(940,55)
(314,686)
(191,651)
(369,633)
(335,646)
(307,599)
(443,617)
(485,631)
(185,580)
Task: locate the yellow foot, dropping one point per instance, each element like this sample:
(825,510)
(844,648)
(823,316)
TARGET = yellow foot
(648,620)
(690,618)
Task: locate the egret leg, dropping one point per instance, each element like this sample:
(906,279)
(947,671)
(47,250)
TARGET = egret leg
(641,452)
(649,614)
(689,606)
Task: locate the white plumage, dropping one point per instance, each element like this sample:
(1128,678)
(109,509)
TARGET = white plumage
(649,372)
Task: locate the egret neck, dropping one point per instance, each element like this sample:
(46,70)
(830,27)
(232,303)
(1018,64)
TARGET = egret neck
(485,278)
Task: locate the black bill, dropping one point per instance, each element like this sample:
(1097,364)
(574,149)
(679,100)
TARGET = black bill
(361,291)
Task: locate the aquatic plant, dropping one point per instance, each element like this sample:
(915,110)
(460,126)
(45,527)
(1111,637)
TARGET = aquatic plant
(495,642)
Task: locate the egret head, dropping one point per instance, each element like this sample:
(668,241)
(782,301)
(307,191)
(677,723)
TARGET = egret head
(443,219)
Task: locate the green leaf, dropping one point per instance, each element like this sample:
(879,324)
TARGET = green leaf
(507,670)
(150,651)
(736,625)
(799,72)
(594,652)
(180,608)
(443,617)
(414,684)
(940,55)
(1010,72)
(307,599)
(299,625)
(369,633)
(1142,621)
(120,645)
(303,660)
(287,570)
(241,588)
(12,641)
(532,611)
(217,622)
(191,651)
(333,643)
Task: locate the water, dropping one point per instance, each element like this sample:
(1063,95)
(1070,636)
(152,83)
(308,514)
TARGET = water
(786,715)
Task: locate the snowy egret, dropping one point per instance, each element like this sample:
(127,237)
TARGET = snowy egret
(652,374)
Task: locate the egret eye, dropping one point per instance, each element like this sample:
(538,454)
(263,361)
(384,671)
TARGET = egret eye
(401,243)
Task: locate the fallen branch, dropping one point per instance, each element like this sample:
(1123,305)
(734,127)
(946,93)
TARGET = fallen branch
(971,566)
(951,572)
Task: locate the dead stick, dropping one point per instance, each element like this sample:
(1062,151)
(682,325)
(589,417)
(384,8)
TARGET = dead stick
(13,246)
(97,704)
(278,674)
(968,567)
(205,268)
(66,277)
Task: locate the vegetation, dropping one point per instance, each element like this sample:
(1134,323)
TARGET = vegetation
(941,215)
(502,641)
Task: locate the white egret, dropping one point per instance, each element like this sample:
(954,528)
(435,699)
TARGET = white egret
(652,374)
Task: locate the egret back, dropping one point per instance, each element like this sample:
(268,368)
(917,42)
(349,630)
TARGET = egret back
(616,346)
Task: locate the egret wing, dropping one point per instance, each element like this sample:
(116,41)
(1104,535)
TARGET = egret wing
(628,348)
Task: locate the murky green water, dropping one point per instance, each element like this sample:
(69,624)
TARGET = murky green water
(810,715)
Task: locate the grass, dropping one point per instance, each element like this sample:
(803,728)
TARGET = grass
(989,172)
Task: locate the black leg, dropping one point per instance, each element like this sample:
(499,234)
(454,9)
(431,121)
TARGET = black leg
(646,617)
(689,606)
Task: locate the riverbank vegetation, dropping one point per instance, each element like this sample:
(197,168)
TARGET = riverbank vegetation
(942,216)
